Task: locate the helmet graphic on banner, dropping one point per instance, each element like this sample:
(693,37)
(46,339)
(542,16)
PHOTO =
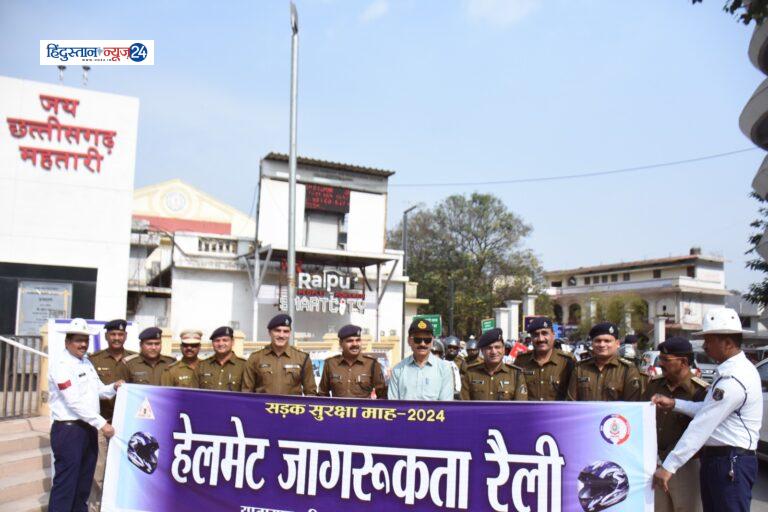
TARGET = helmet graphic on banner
(602,484)
(142,451)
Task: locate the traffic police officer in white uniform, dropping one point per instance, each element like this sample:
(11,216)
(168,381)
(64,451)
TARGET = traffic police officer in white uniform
(75,390)
(725,426)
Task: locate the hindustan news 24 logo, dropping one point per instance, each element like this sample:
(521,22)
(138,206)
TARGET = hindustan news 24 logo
(615,429)
(92,52)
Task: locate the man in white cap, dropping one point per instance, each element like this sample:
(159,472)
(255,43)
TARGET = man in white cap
(75,390)
(725,426)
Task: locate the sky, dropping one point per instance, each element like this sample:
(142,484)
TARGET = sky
(443,93)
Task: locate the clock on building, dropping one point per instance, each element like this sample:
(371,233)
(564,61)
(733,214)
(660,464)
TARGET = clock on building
(175,200)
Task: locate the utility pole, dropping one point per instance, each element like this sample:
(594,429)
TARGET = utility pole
(405,237)
(292,171)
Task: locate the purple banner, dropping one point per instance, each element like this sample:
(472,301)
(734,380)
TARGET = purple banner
(212,451)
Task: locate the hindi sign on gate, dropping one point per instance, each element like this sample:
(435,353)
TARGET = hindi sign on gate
(223,451)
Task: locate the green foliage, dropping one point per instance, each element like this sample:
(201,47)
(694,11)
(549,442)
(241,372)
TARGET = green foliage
(471,240)
(611,308)
(745,10)
(758,292)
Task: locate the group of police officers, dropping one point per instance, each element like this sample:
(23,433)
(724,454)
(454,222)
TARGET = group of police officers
(543,374)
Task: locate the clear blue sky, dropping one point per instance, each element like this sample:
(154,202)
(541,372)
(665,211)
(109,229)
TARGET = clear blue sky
(447,91)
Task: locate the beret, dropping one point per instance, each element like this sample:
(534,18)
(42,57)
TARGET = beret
(630,338)
(151,333)
(115,325)
(489,337)
(452,341)
(676,345)
(224,330)
(420,324)
(604,328)
(279,320)
(539,322)
(349,331)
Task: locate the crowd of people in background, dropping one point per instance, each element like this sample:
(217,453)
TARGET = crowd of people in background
(720,422)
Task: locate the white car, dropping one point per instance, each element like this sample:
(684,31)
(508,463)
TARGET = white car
(762,443)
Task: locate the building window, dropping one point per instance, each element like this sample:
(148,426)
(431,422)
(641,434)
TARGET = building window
(587,280)
(217,245)
(625,276)
(557,284)
(614,278)
(746,322)
(604,279)
(326,230)
(657,274)
(691,271)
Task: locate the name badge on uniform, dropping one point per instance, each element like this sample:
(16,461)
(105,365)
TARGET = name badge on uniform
(207,374)
(583,379)
(504,382)
(478,382)
(183,377)
(139,373)
(335,377)
(264,365)
(102,369)
(291,366)
(528,372)
(362,377)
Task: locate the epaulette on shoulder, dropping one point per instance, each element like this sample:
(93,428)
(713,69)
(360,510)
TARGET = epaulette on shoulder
(514,366)
(565,354)
(172,365)
(587,360)
(130,358)
(475,365)
(98,353)
(367,357)
(168,359)
(525,355)
(701,382)
(626,362)
(240,358)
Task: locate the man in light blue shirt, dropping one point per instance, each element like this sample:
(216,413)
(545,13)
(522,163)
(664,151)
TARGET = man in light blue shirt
(422,375)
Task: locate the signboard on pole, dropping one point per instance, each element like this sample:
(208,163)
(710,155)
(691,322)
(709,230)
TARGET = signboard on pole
(435,320)
(486,324)
(250,452)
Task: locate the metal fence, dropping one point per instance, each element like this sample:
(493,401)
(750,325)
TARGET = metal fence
(19,377)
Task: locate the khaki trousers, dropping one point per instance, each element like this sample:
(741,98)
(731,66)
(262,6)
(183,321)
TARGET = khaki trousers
(684,492)
(97,487)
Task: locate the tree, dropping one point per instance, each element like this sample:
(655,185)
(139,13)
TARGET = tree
(748,9)
(758,292)
(612,308)
(472,241)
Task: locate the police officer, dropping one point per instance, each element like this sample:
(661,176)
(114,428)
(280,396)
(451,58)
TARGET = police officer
(223,371)
(438,349)
(452,348)
(472,353)
(352,374)
(605,377)
(676,382)
(547,370)
(181,374)
(75,390)
(278,368)
(109,367)
(725,426)
(148,365)
(493,379)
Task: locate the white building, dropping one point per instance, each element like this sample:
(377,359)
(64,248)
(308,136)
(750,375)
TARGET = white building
(193,257)
(67,160)
(679,289)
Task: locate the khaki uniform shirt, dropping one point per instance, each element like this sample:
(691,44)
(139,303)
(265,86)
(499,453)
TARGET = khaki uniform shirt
(461,364)
(670,425)
(109,370)
(548,381)
(141,372)
(180,374)
(507,383)
(619,380)
(290,373)
(209,374)
(358,380)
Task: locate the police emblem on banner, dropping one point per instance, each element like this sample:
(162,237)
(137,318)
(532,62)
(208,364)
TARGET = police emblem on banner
(615,429)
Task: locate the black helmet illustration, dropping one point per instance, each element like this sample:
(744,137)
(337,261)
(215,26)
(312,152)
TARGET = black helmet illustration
(142,451)
(602,484)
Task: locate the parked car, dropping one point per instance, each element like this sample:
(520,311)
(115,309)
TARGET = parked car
(762,443)
(756,354)
(705,364)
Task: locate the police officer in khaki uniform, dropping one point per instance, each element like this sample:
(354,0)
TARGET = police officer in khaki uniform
(547,370)
(492,379)
(222,371)
(109,367)
(452,348)
(678,383)
(148,365)
(352,374)
(278,368)
(473,353)
(181,374)
(605,377)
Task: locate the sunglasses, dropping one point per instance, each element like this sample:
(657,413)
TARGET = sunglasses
(422,341)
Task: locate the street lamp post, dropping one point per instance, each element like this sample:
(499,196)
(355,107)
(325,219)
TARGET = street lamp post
(405,237)
(292,169)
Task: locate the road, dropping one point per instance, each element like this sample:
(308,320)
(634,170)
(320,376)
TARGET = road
(760,489)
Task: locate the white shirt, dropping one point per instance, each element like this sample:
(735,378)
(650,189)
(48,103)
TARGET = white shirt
(715,420)
(75,389)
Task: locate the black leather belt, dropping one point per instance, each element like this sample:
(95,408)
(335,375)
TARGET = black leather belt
(724,451)
(79,423)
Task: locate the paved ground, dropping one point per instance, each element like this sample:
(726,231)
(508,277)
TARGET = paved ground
(760,489)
